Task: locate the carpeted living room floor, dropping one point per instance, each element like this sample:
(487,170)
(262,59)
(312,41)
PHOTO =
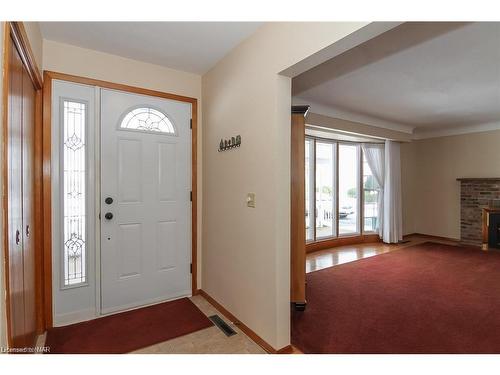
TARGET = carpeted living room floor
(427,298)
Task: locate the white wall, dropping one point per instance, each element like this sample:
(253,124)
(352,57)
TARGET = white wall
(64,58)
(3,319)
(246,259)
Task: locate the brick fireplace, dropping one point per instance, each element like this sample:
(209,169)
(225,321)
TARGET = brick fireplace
(479,198)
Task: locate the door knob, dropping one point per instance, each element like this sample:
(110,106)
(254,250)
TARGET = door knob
(108,215)
(108,200)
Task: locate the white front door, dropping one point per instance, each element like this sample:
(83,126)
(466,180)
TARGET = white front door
(144,200)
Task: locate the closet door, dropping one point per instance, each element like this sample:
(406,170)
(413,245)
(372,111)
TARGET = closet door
(28,124)
(20,177)
(14,222)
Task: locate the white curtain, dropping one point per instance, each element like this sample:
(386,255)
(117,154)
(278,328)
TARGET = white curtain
(392,222)
(374,154)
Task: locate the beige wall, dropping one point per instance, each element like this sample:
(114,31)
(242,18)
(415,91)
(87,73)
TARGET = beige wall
(409,186)
(73,60)
(246,258)
(69,59)
(36,41)
(432,195)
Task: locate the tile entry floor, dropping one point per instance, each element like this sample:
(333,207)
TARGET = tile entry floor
(206,341)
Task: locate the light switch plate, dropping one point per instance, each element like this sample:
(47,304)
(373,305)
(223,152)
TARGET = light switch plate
(251,200)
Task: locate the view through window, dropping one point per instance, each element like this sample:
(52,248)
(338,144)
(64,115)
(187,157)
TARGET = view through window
(370,197)
(325,186)
(348,191)
(341,191)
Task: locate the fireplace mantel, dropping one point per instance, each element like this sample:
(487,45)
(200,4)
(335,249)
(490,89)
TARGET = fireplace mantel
(488,179)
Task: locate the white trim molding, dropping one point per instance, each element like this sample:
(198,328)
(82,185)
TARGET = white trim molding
(335,112)
(416,132)
(455,130)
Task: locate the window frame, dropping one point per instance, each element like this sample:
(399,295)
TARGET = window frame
(312,191)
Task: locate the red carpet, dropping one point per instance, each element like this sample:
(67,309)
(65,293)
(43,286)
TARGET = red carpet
(428,298)
(130,330)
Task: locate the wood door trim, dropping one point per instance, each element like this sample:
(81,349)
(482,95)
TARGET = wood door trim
(15,31)
(48,77)
(117,86)
(47,201)
(38,212)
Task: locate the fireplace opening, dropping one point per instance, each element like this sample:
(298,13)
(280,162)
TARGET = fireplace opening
(494,230)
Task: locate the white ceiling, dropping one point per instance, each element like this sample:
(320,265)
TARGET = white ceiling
(427,76)
(189,46)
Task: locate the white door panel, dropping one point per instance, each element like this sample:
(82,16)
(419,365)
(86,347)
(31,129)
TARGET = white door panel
(145,247)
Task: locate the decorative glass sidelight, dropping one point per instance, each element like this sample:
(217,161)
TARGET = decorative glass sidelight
(74,194)
(147,119)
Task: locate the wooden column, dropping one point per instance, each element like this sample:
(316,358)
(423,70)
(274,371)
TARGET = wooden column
(297,223)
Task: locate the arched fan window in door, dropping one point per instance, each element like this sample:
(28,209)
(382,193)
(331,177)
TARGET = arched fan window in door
(149,120)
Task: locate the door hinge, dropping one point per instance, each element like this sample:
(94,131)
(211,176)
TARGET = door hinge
(191,124)
(191,268)
(191,196)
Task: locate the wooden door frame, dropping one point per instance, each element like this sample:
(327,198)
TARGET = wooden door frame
(48,77)
(15,31)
